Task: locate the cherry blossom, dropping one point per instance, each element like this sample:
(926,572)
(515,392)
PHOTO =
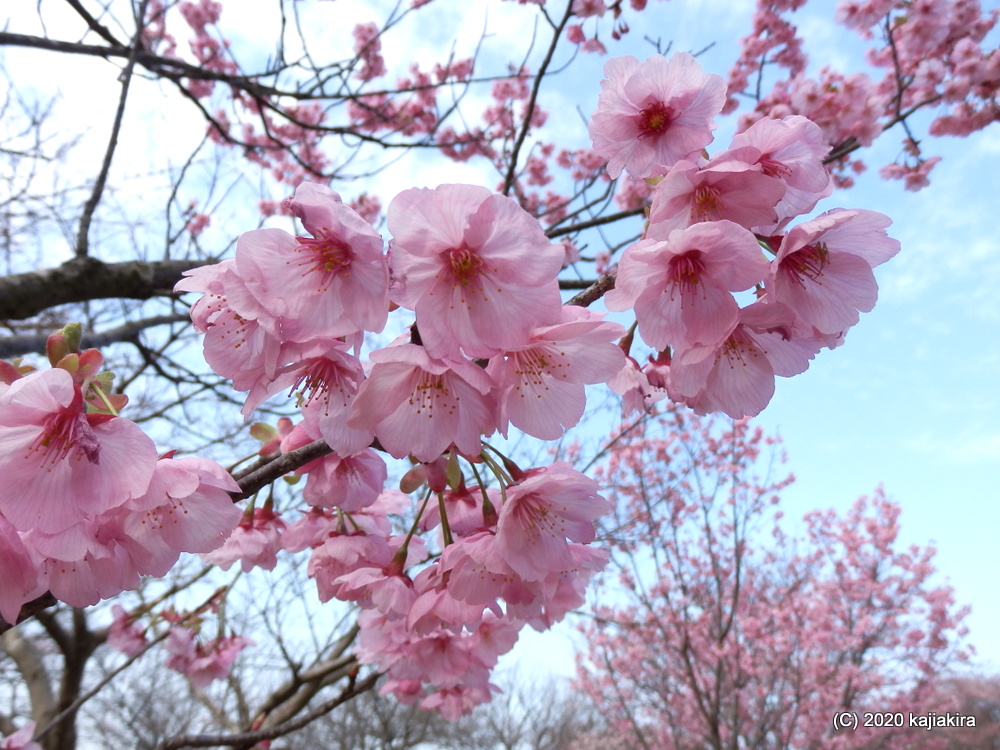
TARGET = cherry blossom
(202,663)
(349,483)
(681,287)
(60,463)
(792,150)
(255,541)
(475,267)
(188,507)
(736,376)
(124,634)
(541,384)
(732,186)
(654,113)
(823,269)
(544,511)
(421,406)
(19,581)
(332,284)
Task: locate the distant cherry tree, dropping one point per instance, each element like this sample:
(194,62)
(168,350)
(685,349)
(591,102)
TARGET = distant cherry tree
(726,631)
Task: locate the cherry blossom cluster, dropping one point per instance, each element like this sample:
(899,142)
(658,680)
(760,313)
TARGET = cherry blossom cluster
(490,347)
(934,52)
(717,227)
(86,506)
(487,345)
(202,660)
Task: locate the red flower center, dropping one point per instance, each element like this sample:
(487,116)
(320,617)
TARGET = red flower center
(655,119)
(66,431)
(685,271)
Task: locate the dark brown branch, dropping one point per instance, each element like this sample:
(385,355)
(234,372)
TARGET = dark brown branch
(594,292)
(263,473)
(529,111)
(249,739)
(83,279)
(94,25)
(13,346)
(30,609)
(596,222)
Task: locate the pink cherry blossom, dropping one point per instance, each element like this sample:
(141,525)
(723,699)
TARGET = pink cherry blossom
(541,385)
(237,345)
(562,591)
(19,579)
(326,376)
(436,606)
(187,508)
(454,702)
(333,284)
(463,507)
(310,530)
(550,507)
(124,634)
(202,663)
(390,592)
(823,269)
(475,267)
(340,554)
(792,150)
(638,392)
(349,483)
(60,464)
(478,574)
(737,376)
(87,562)
(732,186)
(420,406)
(655,113)
(586,8)
(681,287)
(21,739)
(255,542)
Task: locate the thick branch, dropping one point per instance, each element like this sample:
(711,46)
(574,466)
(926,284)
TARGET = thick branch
(28,659)
(82,279)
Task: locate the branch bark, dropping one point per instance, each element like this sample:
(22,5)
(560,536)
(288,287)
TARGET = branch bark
(24,295)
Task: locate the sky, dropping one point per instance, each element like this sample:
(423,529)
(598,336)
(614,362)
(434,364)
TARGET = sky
(909,402)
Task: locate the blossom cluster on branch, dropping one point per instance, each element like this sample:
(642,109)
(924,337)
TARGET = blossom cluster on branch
(733,281)
(489,345)
(87,507)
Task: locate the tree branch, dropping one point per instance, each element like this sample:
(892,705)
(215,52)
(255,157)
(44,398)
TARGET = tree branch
(249,739)
(13,346)
(24,295)
(82,241)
